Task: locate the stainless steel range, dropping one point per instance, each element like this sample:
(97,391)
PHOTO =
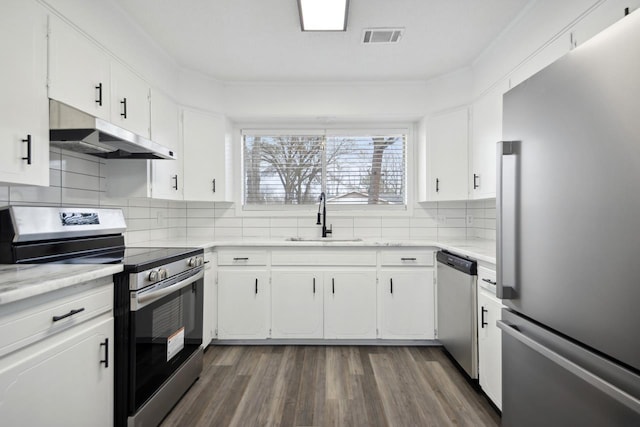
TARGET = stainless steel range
(158,300)
(158,318)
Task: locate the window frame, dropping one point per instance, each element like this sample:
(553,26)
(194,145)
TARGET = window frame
(408,129)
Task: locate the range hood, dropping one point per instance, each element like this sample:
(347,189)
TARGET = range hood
(75,130)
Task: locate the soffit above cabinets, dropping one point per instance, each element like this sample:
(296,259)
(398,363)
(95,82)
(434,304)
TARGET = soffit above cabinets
(257,40)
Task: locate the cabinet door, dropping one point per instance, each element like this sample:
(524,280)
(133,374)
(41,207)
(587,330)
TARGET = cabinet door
(490,346)
(129,100)
(407,304)
(350,304)
(204,156)
(24,106)
(244,311)
(297,309)
(61,381)
(78,71)
(486,132)
(167,176)
(448,139)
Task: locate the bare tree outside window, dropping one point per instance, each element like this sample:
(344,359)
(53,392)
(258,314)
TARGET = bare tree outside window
(294,169)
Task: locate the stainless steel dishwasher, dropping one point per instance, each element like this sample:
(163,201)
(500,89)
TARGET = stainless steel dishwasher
(457,309)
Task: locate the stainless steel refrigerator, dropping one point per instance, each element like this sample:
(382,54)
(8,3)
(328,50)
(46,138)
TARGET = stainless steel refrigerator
(569,238)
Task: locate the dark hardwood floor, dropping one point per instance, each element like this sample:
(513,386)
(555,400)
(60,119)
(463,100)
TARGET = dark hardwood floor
(330,386)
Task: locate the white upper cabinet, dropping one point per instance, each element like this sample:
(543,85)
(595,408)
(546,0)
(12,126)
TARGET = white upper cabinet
(84,76)
(448,140)
(157,179)
(24,127)
(78,70)
(167,175)
(486,133)
(129,100)
(205,152)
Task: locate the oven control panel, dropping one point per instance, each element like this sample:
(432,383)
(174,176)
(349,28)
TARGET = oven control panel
(141,279)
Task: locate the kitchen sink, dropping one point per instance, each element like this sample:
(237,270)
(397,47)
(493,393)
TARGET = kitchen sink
(320,239)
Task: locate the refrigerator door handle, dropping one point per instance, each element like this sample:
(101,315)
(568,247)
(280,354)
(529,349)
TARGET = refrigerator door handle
(602,385)
(507,212)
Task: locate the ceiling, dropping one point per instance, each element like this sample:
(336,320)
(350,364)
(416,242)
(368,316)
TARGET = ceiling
(260,40)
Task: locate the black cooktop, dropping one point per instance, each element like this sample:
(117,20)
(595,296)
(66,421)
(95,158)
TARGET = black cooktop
(139,259)
(134,259)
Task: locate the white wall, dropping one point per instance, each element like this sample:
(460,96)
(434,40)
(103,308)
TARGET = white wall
(364,101)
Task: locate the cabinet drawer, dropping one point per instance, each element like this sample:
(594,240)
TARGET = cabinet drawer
(37,318)
(312,257)
(242,257)
(407,257)
(487,279)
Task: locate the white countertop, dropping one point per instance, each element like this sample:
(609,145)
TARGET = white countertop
(478,249)
(20,281)
(25,280)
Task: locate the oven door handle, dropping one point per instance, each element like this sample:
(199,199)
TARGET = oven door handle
(142,299)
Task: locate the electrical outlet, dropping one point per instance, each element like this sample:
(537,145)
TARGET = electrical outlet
(442,220)
(469,219)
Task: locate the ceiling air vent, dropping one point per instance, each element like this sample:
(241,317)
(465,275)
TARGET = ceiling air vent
(382,35)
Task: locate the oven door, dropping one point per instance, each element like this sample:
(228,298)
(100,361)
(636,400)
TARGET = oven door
(165,328)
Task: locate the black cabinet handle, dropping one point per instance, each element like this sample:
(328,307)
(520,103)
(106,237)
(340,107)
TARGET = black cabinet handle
(28,141)
(437,185)
(408,259)
(391,283)
(99,89)
(256,286)
(214,185)
(69,314)
(175,178)
(489,281)
(124,107)
(241,259)
(482,322)
(105,344)
(475,181)
(333,285)
(314,285)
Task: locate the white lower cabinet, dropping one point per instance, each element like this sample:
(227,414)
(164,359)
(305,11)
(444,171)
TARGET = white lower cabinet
(489,341)
(62,381)
(407,301)
(244,300)
(350,304)
(296,304)
(312,293)
(56,358)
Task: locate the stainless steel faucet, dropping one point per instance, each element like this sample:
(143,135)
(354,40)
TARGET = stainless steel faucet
(323,206)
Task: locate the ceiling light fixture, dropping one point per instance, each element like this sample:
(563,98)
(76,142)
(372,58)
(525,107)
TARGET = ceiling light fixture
(323,15)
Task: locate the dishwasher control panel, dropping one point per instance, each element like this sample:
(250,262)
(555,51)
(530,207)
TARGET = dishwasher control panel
(454,261)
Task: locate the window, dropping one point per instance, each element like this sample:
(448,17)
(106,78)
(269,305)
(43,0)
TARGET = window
(352,168)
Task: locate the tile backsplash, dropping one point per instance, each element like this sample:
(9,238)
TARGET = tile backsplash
(79,180)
